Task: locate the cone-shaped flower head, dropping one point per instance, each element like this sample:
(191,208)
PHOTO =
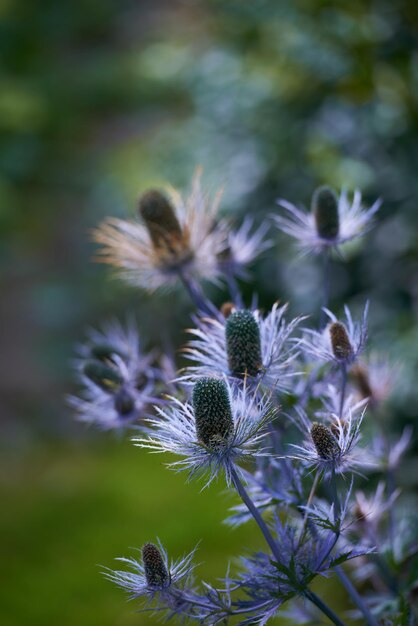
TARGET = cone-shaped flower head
(212,409)
(155,569)
(324,441)
(340,342)
(332,446)
(161,221)
(243,343)
(325,210)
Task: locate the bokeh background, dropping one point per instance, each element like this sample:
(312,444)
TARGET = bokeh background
(100,100)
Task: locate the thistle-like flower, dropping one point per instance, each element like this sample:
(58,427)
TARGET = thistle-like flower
(245,346)
(176,237)
(243,247)
(338,343)
(119,380)
(331,222)
(375,378)
(164,586)
(332,445)
(220,427)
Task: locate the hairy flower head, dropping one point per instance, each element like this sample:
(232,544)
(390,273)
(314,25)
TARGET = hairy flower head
(332,222)
(221,426)
(174,236)
(119,381)
(245,347)
(339,343)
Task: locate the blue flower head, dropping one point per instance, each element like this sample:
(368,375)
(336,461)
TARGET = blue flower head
(245,346)
(119,380)
(332,221)
(220,427)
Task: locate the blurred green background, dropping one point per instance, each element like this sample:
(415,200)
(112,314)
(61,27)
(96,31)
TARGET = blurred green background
(100,100)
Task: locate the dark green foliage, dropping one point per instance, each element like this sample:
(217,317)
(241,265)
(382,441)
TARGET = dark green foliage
(212,409)
(325,210)
(155,570)
(243,343)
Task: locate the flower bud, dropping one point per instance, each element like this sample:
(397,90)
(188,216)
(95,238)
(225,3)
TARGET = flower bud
(104,377)
(212,410)
(340,342)
(324,441)
(160,219)
(243,343)
(325,210)
(227,308)
(361,379)
(156,572)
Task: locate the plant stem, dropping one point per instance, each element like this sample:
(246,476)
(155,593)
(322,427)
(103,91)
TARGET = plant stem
(326,274)
(234,290)
(335,498)
(196,294)
(355,596)
(310,498)
(343,387)
(255,513)
(310,595)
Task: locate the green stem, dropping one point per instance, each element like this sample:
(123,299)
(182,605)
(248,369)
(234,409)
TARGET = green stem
(255,513)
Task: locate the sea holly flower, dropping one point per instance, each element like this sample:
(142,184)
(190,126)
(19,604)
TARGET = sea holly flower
(175,237)
(332,221)
(119,380)
(163,585)
(245,346)
(338,343)
(388,454)
(332,445)
(220,427)
(375,378)
(368,511)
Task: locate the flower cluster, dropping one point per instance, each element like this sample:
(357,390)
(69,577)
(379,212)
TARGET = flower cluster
(289,417)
